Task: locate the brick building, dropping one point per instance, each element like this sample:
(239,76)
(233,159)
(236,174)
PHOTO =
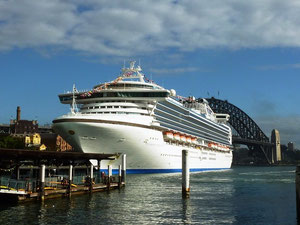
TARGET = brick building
(20,127)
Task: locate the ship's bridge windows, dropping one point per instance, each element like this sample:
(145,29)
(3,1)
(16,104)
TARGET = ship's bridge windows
(128,86)
(117,112)
(126,94)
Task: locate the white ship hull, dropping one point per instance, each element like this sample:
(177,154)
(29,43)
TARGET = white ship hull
(145,148)
(148,123)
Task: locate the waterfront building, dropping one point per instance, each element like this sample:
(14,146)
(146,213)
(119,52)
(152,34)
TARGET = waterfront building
(291,146)
(20,127)
(4,128)
(41,138)
(33,140)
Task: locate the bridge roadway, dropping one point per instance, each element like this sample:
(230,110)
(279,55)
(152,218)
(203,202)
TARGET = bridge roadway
(245,141)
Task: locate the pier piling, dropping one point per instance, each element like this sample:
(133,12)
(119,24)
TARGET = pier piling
(120,177)
(18,172)
(42,181)
(185,174)
(123,175)
(92,177)
(109,176)
(98,171)
(70,179)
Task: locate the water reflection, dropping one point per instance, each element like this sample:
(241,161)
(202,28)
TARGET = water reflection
(186,210)
(238,196)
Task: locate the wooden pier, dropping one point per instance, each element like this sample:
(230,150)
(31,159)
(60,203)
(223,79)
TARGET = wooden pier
(42,187)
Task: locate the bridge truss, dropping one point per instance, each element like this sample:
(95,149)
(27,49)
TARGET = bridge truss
(249,132)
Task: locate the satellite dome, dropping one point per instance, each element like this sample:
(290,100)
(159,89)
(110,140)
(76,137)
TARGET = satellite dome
(173,92)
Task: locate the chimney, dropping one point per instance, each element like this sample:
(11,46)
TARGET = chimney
(18,113)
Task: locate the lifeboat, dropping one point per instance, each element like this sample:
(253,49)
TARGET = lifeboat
(168,135)
(176,136)
(189,139)
(182,138)
(194,140)
(213,145)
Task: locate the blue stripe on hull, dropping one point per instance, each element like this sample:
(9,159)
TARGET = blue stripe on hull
(147,171)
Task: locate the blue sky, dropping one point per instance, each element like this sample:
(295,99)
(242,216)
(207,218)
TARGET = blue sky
(248,52)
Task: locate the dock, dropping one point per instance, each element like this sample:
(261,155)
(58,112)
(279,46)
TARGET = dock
(39,175)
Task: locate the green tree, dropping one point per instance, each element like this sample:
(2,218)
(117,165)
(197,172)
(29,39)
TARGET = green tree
(11,142)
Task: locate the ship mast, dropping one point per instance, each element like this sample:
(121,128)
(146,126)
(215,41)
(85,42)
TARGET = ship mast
(133,72)
(74,108)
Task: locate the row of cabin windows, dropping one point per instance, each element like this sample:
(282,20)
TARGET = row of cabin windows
(110,107)
(159,94)
(120,95)
(126,101)
(122,85)
(143,114)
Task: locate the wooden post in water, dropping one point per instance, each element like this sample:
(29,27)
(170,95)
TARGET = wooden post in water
(91,177)
(42,182)
(99,172)
(109,177)
(120,177)
(123,168)
(298,193)
(185,174)
(70,180)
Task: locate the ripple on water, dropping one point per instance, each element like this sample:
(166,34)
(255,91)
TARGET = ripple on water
(251,195)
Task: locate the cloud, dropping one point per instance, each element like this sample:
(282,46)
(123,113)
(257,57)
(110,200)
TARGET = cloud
(288,126)
(279,67)
(131,28)
(263,106)
(174,70)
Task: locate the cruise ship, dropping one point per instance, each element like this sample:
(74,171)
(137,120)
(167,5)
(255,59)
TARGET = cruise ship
(152,125)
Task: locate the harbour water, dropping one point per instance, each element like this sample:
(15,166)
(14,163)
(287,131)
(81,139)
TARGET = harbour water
(242,195)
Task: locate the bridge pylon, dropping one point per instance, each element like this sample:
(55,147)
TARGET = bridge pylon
(276,149)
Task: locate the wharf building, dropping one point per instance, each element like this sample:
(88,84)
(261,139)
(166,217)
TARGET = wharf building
(41,138)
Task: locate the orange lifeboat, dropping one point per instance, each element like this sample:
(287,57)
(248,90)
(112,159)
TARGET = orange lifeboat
(168,135)
(213,145)
(176,136)
(182,138)
(194,140)
(189,139)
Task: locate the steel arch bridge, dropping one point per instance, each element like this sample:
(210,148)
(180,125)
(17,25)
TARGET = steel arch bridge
(249,132)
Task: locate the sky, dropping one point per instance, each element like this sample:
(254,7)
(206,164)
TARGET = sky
(246,52)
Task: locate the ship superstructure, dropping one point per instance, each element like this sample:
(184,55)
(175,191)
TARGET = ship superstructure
(149,123)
